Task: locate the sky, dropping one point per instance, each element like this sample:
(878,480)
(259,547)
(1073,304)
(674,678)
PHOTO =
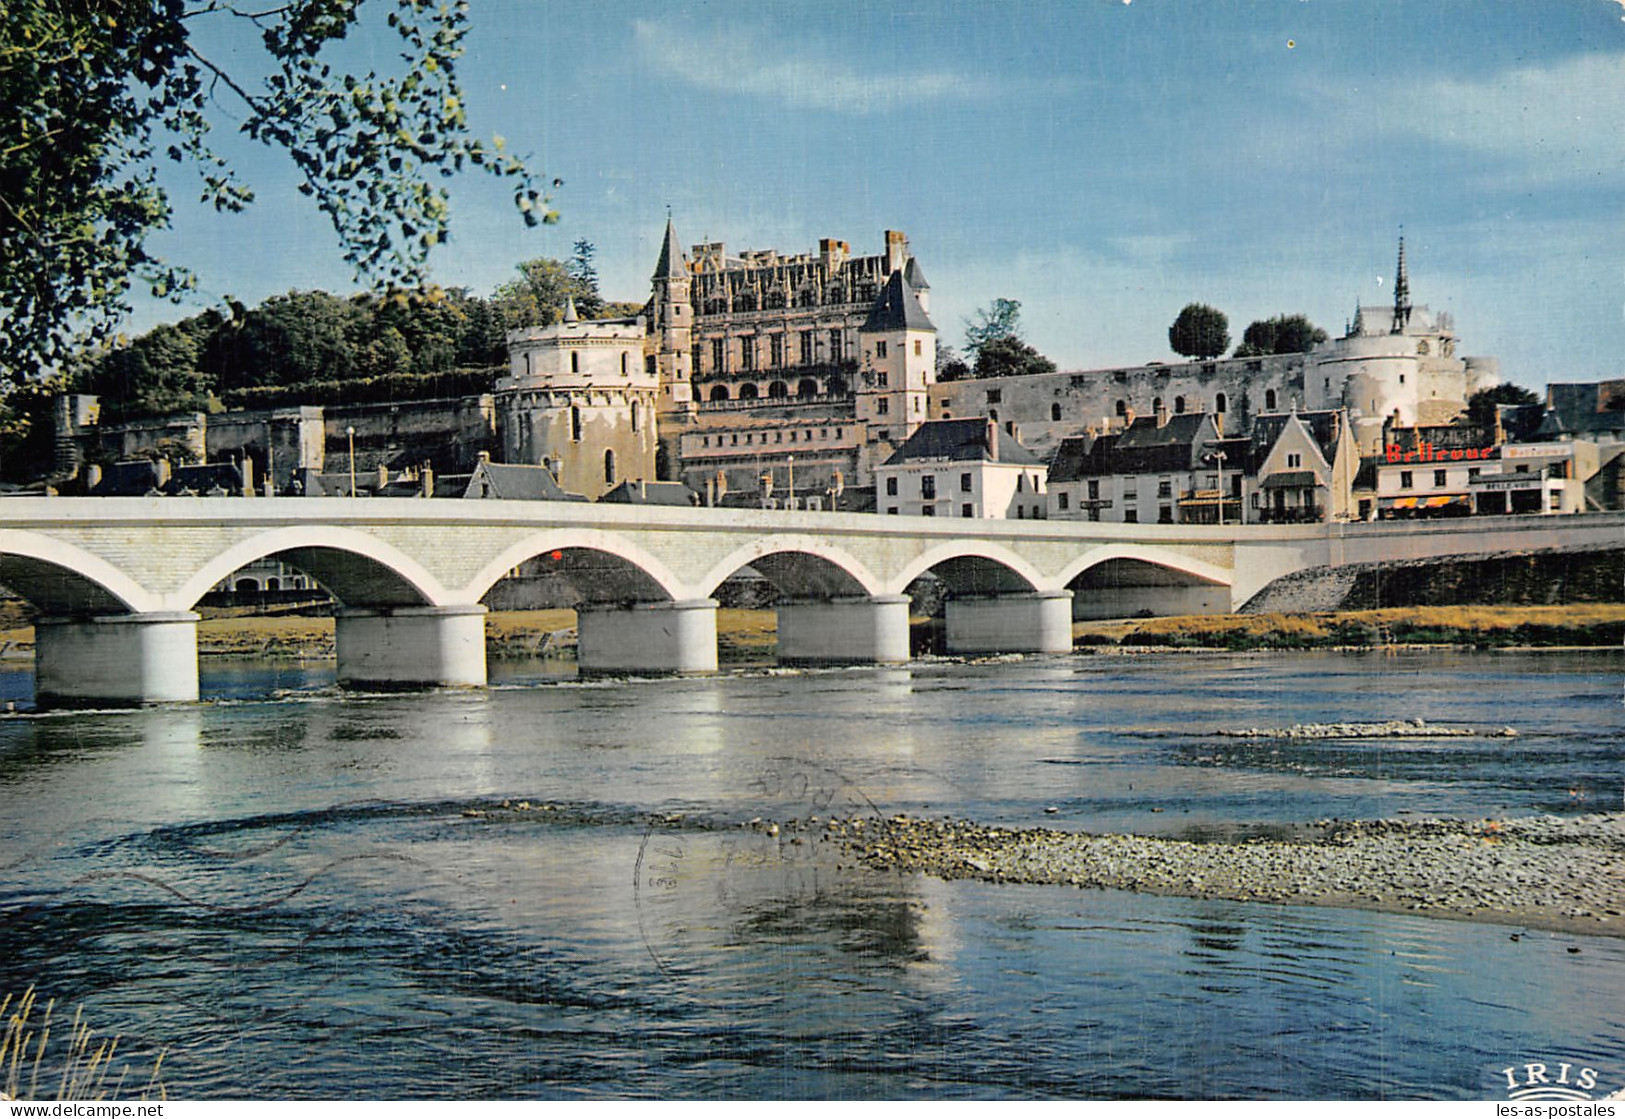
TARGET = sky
(1103,162)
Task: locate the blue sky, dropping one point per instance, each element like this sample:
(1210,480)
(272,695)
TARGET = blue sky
(1102,162)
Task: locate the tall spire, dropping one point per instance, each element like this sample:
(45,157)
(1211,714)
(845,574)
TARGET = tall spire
(1402,293)
(671,254)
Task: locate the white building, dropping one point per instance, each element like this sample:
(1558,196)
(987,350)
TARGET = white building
(961,468)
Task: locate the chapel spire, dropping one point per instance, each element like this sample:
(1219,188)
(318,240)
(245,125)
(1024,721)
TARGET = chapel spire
(1402,293)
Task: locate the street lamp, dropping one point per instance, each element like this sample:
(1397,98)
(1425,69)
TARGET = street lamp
(350,431)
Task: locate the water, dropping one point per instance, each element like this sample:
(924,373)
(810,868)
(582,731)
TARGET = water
(292,889)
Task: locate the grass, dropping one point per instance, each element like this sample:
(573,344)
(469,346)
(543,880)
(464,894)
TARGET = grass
(78,1066)
(1587,624)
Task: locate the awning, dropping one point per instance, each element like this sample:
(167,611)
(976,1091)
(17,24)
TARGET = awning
(1428,502)
(1291,480)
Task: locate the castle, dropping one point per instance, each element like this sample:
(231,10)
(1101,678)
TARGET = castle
(790,378)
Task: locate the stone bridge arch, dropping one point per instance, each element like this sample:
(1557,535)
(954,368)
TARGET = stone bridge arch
(799,566)
(357,568)
(973,567)
(998,601)
(1124,581)
(602,567)
(61,579)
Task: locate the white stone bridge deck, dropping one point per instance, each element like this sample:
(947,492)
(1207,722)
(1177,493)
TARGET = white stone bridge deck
(116,578)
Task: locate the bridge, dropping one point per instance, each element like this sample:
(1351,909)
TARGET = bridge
(116,579)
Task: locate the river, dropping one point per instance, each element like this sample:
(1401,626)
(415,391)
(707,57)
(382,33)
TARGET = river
(298,892)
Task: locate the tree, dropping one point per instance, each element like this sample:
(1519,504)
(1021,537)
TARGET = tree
(950,366)
(589,304)
(97,92)
(1010,357)
(1482,404)
(999,320)
(1283,334)
(1200,331)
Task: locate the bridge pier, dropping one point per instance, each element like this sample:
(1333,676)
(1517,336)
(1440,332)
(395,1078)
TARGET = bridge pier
(844,630)
(665,637)
(411,646)
(1040,622)
(116,659)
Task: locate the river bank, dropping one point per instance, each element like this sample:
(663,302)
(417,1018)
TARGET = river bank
(1564,874)
(746,635)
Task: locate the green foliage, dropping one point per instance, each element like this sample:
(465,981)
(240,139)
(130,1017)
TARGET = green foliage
(1282,334)
(997,322)
(538,297)
(27,429)
(1200,331)
(97,92)
(366,390)
(1482,404)
(1010,357)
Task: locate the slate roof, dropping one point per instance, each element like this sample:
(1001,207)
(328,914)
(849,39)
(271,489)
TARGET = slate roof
(505,482)
(961,441)
(915,275)
(671,255)
(1177,445)
(650,493)
(1322,427)
(127,479)
(207,478)
(1596,406)
(897,308)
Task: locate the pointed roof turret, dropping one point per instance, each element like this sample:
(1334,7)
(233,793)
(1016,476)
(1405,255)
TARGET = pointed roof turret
(1402,293)
(915,275)
(897,308)
(671,255)
(570,314)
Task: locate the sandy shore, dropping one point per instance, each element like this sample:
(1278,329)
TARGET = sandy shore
(1564,874)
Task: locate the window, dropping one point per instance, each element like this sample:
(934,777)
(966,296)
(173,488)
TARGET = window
(993,414)
(1406,479)
(747,353)
(609,468)
(917,406)
(1061,501)
(1402,378)
(776,349)
(778,437)
(836,351)
(1165,487)
(719,353)
(705,440)
(891,510)
(807,387)
(919,348)
(1293,461)
(1269,399)
(1473,472)
(1131,516)
(749,391)
(575,361)
(1156,404)
(719,392)
(1165,515)
(995,396)
(967,510)
(1438,479)
(1122,407)
(625,368)
(1021,513)
(928,511)
(883,379)
(928,487)
(880,348)
(1219,403)
(1179,405)
(883,407)
(635,416)
(1094,489)
(575,424)
(891,487)
(806,347)
(1021,482)
(778,390)
(1054,412)
(1094,514)
(964,483)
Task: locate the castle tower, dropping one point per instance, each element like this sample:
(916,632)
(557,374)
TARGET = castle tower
(670,349)
(579,398)
(898,343)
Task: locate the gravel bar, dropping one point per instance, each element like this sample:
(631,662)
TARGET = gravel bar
(1545,872)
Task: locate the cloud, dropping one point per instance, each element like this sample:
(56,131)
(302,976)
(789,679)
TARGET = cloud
(742,63)
(1557,122)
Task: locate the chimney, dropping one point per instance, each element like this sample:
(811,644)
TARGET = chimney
(485,457)
(383,475)
(1128,417)
(1218,423)
(992,441)
(1162,413)
(93,477)
(722,484)
(161,467)
(896,250)
(426,480)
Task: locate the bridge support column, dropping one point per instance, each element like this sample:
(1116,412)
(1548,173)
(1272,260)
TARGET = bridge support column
(1017,623)
(117,659)
(411,646)
(648,637)
(844,630)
